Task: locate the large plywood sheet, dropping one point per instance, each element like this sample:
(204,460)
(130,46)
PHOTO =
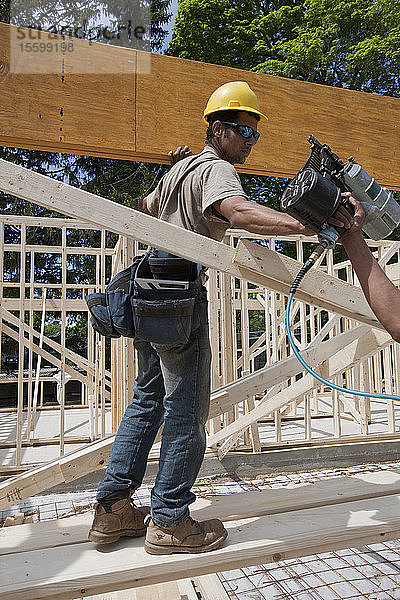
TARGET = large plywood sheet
(170,100)
(109,101)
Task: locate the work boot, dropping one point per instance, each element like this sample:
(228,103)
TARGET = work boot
(124,519)
(190,536)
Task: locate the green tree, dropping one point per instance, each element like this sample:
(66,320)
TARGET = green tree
(121,181)
(345,43)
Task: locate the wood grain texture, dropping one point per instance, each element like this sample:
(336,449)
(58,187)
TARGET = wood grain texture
(120,103)
(83,570)
(249,261)
(95,456)
(211,588)
(61,108)
(341,360)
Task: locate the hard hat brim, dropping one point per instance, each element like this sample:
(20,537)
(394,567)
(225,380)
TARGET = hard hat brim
(237,108)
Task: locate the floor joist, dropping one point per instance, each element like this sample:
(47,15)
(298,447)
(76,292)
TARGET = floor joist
(56,562)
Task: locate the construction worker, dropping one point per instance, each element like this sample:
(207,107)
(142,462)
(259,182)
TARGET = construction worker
(382,296)
(201,193)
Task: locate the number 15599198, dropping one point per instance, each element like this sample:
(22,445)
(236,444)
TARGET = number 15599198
(46,46)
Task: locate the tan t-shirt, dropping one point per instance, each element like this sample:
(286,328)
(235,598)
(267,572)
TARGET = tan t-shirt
(185,195)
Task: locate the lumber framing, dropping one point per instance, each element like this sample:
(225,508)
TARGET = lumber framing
(80,361)
(359,342)
(137,106)
(248,261)
(265,526)
(344,358)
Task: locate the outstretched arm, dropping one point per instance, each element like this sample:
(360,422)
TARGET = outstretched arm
(244,214)
(382,296)
(256,218)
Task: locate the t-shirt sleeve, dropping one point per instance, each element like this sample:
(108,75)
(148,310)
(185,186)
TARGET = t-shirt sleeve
(153,201)
(219,181)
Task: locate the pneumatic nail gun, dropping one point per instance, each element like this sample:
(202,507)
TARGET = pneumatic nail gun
(315,194)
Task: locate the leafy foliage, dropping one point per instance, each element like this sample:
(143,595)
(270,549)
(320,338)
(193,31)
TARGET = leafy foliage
(343,43)
(353,44)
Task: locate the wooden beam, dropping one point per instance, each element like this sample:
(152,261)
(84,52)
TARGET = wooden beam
(115,110)
(211,588)
(231,394)
(60,470)
(249,261)
(231,507)
(95,455)
(49,357)
(79,360)
(70,570)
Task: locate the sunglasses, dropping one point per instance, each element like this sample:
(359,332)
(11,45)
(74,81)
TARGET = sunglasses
(245,130)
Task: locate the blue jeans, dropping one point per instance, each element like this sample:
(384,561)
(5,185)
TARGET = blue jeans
(173,388)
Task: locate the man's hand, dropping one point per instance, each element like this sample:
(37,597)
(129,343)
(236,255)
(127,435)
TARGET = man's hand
(342,217)
(180,152)
(352,223)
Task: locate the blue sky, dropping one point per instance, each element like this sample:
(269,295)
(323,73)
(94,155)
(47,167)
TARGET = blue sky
(170,25)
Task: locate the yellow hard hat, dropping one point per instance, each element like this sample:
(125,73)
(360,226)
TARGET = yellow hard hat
(236,95)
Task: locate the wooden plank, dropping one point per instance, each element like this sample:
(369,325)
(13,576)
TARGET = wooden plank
(278,372)
(187,590)
(81,570)
(172,590)
(232,507)
(162,591)
(131,106)
(71,466)
(52,359)
(79,360)
(22,342)
(32,421)
(30,483)
(44,222)
(249,261)
(64,108)
(53,304)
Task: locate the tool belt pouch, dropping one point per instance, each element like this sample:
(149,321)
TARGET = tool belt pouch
(167,322)
(100,318)
(111,311)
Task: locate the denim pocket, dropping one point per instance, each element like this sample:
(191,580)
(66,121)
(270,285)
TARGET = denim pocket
(166,322)
(200,313)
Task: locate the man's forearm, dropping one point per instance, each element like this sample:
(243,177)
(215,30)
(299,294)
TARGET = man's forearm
(381,294)
(259,219)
